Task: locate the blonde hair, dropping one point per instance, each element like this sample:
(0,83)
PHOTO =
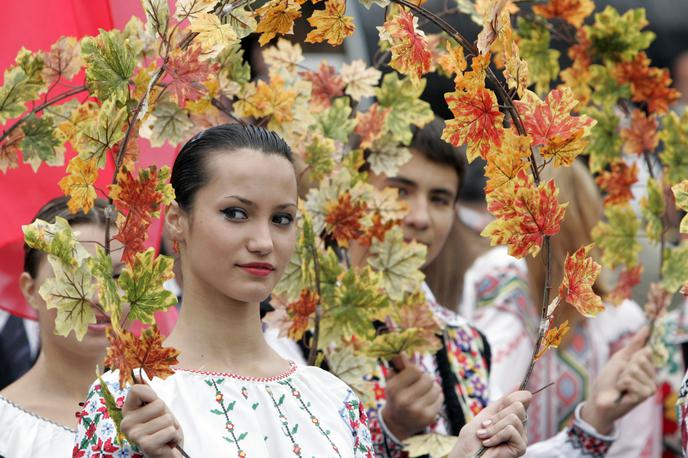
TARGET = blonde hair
(577,187)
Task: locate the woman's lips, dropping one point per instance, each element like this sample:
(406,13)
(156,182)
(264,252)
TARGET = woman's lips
(258,269)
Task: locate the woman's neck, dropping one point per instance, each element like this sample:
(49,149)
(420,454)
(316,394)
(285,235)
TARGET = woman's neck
(216,333)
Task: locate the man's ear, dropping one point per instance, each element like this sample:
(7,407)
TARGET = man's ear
(176,222)
(27,285)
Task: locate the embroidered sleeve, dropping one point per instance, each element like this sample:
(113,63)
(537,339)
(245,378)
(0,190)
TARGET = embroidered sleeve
(354,415)
(96,435)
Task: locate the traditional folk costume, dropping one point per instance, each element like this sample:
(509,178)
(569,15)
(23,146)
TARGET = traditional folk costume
(496,299)
(304,412)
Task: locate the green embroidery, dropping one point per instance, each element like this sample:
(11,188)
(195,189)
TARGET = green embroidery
(225,409)
(289,432)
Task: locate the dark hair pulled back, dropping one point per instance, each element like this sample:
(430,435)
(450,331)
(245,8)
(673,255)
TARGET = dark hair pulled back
(189,173)
(58,207)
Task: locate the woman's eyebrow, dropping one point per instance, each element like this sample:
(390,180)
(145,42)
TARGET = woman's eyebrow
(242,200)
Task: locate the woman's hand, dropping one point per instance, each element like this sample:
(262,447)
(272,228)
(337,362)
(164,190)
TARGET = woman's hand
(413,400)
(149,424)
(628,378)
(500,428)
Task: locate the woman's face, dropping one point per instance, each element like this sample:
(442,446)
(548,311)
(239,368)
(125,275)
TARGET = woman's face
(429,189)
(95,341)
(240,234)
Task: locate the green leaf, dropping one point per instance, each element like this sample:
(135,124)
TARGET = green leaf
(142,285)
(617,237)
(232,64)
(108,295)
(113,410)
(403,97)
(109,63)
(100,134)
(681,195)
(169,122)
(675,268)
(605,141)
(157,16)
(55,239)
(388,345)
(432,444)
(352,369)
(335,122)
(40,143)
(299,273)
(652,207)
(320,157)
(23,82)
(618,38)
(543,62)
(398,262)
(674,135)
(70,291)
(606,89)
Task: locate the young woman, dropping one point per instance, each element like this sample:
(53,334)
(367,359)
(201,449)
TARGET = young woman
(502,297)
(442,392)
(37,412)
(232,395)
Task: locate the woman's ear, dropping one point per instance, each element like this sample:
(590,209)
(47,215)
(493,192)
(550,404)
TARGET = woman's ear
(175,222)
(27,285)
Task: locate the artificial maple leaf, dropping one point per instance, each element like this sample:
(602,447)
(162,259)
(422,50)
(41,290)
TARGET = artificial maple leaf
(642,135)
(648,84)
(553,338)
(580,275)
(284,56)
(410,51)
(681,195)
(399,263)
(10,150)
(617,183)
(386,156)
(99,134)
(653,209)
(371,125)
(431,444)
(551,125)
(167,123)
(272,99)
(360,80)
(352,369)
(505,162)
(326,85)
(110,64)
(212,35)
(391,344)
(330,24)
(477,121)
(414,311)
(63,60)
(376,230)
(300,312)
(79,185)
(658,299)
(343,219)
(572,11)
(145,352)
(113,409)
(108,294)
(141,283)
(277,16)
(628,278)
(490,31)
(525,214)
(674,136)
(675,267)
(186,73)
(615,37)
(335,122)
(55,239)
(403,97)
(534,48)
(617,237)
(71,291)
(40,142)
(453,61)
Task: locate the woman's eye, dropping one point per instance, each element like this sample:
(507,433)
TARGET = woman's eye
(283,220)
(439,201)
(402,192)
(235,213)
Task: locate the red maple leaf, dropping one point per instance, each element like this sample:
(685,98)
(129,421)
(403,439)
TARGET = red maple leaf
(477,121)
(326,85)
(580,275)
(571,11)
(377,230)
(300,312)
(371,125)
(410,50)
(580,51)
(145,352)
(186,74)
(343,219)
(617,183)
(648,84)
(642,136)
(624,286)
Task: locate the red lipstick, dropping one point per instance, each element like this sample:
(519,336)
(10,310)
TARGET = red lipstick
(259,269)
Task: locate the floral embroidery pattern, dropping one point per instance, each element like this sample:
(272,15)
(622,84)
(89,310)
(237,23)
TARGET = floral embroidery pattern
(588,444)
(289,432)
(225,409)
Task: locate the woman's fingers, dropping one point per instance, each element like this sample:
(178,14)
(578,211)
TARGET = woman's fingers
(139,395)
(509,436)
(489,432)
(161,443)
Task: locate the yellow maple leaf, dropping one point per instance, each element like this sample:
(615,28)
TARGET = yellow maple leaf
(330,24)
(79,184)
(213,35)
(553,338)
(272,99)
(277,16)
(505,162)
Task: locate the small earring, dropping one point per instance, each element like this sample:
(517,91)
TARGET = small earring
(175,246)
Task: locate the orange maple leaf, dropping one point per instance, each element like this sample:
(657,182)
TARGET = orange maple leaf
(648,84)
(453,60)
(505,162)
(10,150)
(326,85)
(145,352)
(371,125)
(377,230)
(277,16)
(624,286)
(410,50)
(300,312)
(272,99)
(551,124)
(186,73)
(553,338)
(572,11)
(525,214)
(343,219)
(330,24)
(617,183)
(79,185)
(580,51)
(642,135)
(477,121)
(580,274)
